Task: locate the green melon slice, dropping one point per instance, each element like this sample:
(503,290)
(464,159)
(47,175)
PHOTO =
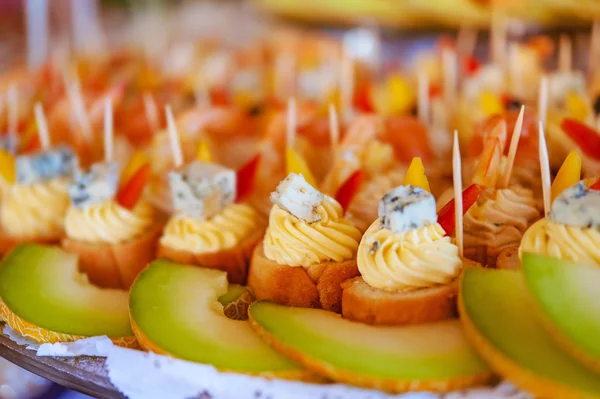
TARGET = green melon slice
(176,307)
(41,285)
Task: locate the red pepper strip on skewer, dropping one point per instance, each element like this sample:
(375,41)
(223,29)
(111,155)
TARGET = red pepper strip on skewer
(446,214)
(471,64)
(363,99)
(586,138)
(245,177)
(595,186)
(132,190)
(348,190)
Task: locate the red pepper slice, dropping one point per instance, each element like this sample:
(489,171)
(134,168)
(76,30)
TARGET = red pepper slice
(132,190)
(348,189)
(245,178)
(446,214)
(363,99)
(595,186)
(32,145)
(435,90)
(586,138)
(220,96)
(471,64)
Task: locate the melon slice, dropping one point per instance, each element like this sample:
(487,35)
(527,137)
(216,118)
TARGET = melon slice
(433,356)
(495,309)
(175,310)
(567,296)
(45,298)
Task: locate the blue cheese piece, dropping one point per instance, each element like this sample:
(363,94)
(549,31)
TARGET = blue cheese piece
(201,190)
(299,198)
(577,206)
(406,208)
(97,185)
(46,165)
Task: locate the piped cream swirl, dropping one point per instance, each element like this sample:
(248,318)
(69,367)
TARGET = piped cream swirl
(418,258)
(293,242)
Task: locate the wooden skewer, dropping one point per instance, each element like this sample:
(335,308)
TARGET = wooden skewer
(545,168)
(466,40)
(346,87)
(151,111)
(423,97)
(543,100)
(42,127)
(450,69)
(173,138)
(78,106)
(291,123)
(37,32)
(593,50)
(108,130)
(512,151)
(334,128)
(202,96)
(458,204)
(498,39)
(565,53)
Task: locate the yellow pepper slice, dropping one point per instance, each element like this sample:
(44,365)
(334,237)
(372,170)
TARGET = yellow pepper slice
(568,174)
(396,97)
(296,164)
(490,103)
(577,107)
(415,175)
(137,160)
(7,166)
(204,154)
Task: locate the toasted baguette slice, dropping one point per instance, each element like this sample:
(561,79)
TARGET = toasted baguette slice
(485,255)
(509,258)
(234,261)
(318,286)
(8,243)
(115,265)
(361,302)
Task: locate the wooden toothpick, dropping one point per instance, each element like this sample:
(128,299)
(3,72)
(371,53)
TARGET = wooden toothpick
(108,130)
(450,69)
(334,128)
(291,123)
(151,111)
(346,87)
(458,204)
(543,100)
(512,151)
(423,97)
(565,53)
(173,138)
(12,104)
(545,169)
(42,127)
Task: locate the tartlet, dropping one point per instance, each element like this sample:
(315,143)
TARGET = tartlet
(304,258)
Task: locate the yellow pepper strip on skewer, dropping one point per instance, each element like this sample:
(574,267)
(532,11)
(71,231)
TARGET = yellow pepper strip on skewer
(568,174)
(415,175)
(204,154)
(296,164)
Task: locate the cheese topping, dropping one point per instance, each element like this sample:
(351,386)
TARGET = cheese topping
(224,230)
(418,258)
(35,210)
(500,217)
(562,241)
(108,222)
(293,242)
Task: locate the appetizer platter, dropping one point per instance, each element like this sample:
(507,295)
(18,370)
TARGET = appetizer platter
(290,215)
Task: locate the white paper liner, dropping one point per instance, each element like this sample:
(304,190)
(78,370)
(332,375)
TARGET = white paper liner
(142,375)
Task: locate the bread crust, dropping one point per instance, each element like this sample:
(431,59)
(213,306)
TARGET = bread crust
(485,255)
(363,303)
(115,265)
(234,261)
(509,258)
(318,286)
(8,243)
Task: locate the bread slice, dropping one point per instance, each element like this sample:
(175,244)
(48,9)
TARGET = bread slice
(115,265)
(509,258)
(363,303)
(8,243)
(317,286)
(234,261)
(485,255)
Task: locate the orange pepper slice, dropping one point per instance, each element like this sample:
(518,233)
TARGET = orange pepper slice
(415,175)
(204,154)
(137,161)
(568,174)
(130,193)
(295,163)
(7,166)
